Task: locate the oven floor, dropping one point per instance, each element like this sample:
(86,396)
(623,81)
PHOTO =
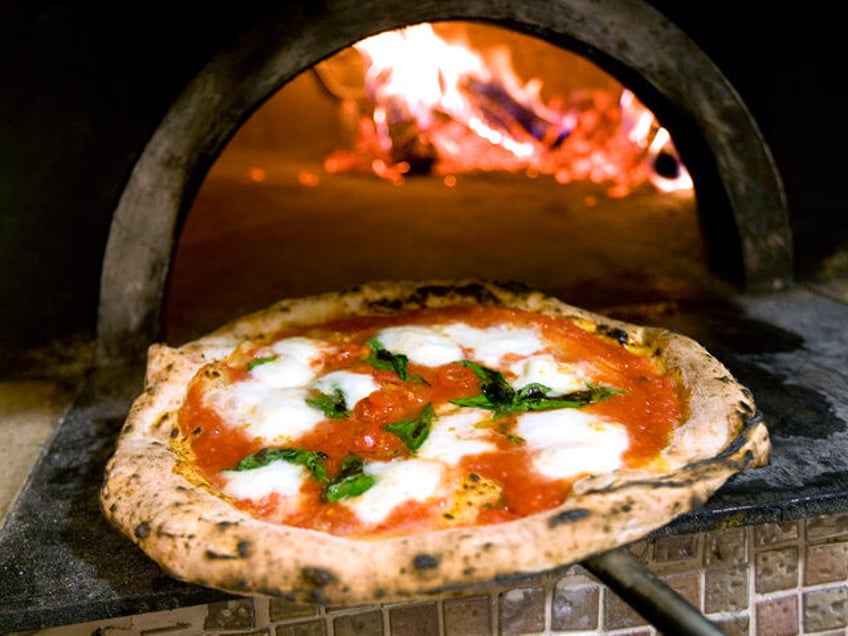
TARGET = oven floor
(246,244)
(61,563)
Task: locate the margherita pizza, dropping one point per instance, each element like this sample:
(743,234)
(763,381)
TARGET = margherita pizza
(402,440)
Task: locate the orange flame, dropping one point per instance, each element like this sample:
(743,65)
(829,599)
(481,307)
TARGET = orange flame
(440,107)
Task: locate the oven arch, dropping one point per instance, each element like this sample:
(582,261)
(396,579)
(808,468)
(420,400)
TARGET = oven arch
(629,38)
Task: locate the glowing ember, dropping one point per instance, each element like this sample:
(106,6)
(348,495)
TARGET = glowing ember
(442,108)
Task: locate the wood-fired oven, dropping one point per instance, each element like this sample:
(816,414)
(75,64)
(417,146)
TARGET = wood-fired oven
(148,202)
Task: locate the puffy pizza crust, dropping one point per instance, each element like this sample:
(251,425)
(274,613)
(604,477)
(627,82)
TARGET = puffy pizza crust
(198,537)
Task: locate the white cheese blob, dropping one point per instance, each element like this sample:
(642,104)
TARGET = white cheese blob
(567,442)
(272,415)
(354,386)
(490,345)
(281,477)
(297,363)
(422,345)
(455,435)
(442,344)
(397,482)
(559,377)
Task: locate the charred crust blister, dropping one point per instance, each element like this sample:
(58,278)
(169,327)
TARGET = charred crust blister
(219,556)
(317,577)
(616,333)
(568,516)
(142,530)
(392,304)
(745,409)
(475,291)
(425,562)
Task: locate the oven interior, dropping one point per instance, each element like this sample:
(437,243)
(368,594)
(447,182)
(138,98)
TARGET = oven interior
(249,208)
(303,199)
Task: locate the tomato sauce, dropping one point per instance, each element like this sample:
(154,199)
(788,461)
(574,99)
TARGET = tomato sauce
(646,402)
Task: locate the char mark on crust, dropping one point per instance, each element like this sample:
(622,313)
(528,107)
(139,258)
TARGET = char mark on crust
(750,419)
(475,291)
(223,525)
(142,530)
(317,577)
(219,556)
(616,333)
(568,516)
(745,409)
(421,295)
(386,304)
(242,552)
(425,562)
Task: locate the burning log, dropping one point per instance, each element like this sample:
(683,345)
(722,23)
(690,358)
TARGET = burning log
(410,144)
(504,112)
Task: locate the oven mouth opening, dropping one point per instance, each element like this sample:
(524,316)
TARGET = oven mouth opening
(306,228)
(453,150)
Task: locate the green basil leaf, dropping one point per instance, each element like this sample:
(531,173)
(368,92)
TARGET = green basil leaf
(413,431)
(255,363)
(313,461)
(332,405)
(535,398)
(479,401)
(496,393)
(351,481)
(382,358)
(498,396)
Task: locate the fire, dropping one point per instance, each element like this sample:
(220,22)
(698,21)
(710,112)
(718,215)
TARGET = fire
(441,108)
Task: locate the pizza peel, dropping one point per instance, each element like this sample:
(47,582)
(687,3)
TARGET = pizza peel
(649,595)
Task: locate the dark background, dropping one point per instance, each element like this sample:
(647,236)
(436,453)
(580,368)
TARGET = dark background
(85,85)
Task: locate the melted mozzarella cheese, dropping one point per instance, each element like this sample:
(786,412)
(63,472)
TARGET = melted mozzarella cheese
(442,344)
(397,482)
(279,477)
(354,386)
(567,442)
(543,369)
(490,345)
(297,364)
(422,345)
(271,414)
(456,435)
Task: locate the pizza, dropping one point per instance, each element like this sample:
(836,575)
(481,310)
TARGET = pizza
(403,440)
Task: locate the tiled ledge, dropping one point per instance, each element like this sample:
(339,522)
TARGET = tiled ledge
(774,579)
